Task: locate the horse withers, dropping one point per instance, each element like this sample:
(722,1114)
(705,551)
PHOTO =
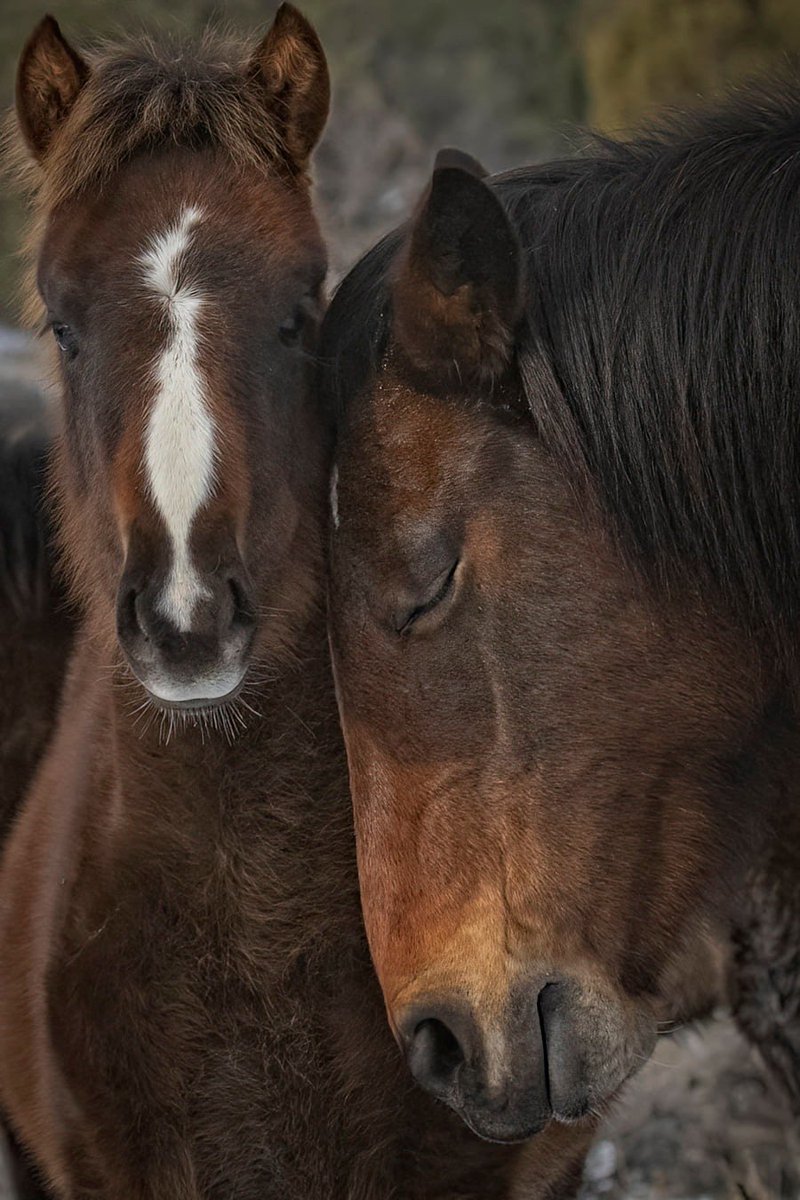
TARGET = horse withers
(188,1007)
(564,601)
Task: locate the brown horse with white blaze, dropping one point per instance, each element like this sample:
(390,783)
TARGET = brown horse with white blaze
(565,588)
(187,1006)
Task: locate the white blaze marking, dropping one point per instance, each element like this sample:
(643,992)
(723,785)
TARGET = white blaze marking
(179,440)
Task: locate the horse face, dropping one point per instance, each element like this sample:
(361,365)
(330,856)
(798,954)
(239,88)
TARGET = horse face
(182,307)
(536,742)
(182,296)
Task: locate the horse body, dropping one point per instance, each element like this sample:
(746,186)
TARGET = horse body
(197,961)
(207,1018)
(188,1008)
(565,499)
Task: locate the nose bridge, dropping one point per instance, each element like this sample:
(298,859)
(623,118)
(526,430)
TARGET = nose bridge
(187,516)
(205,612)
(184,594)
(202,543)
(432,888)
(434,870)
(177,536)
(465,952)
(205,577)
(187,586)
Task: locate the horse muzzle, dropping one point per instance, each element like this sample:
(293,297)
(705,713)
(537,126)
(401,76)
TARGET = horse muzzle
(200,662)
(553,1054)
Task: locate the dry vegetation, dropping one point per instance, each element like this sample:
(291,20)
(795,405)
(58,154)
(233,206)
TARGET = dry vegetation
(639,55)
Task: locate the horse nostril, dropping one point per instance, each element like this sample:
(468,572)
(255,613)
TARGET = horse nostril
(242,615)
(489,1071)
(140,615)
(129,616)
(434,1055)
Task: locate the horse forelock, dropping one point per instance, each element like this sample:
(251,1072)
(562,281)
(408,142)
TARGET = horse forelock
(143,94)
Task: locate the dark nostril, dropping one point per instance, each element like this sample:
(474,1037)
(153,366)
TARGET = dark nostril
(491,1074)
(434,1055)
(242,614)
(550,995)
(139,615)
(549,998)
(129,621)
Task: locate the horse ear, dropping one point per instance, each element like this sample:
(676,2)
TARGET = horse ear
(450,157)
(457,291)
(291,66)
(49,77)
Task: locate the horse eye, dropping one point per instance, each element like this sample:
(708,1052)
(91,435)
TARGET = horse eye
(290,331)
(441,589)
(65,338)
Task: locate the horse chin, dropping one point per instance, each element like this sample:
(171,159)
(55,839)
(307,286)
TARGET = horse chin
(502,1132)
(514,1124)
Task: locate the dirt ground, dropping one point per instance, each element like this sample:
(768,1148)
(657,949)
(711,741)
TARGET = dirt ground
(701,1120)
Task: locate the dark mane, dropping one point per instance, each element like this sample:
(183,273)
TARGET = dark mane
(660,357)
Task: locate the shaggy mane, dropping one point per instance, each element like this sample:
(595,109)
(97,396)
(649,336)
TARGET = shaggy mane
(660,352)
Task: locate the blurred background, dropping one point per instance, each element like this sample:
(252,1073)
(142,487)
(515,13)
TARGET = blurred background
(509,80)
(512,81)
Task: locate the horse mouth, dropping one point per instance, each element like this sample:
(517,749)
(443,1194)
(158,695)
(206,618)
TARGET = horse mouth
(194,696)
(197,706)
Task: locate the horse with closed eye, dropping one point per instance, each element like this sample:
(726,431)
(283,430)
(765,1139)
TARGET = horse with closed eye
(188,1007)
(565,595)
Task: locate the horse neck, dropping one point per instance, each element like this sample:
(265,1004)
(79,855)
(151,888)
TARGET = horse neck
(289,753)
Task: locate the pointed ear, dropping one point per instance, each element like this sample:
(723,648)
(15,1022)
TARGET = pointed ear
(450,157)
(457,292)
(49,77)
(290,65)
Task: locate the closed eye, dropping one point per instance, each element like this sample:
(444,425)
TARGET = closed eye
(441,588)
(290,331)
